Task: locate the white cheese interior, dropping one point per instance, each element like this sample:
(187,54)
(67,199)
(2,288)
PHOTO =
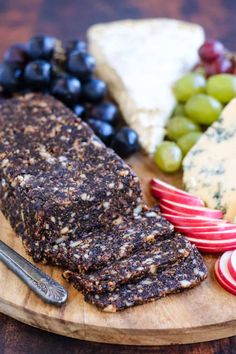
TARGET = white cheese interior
(210,166)
(140,60)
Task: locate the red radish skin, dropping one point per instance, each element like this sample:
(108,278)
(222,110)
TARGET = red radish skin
(181,223)
(192,221)
(192,210)
(210,242)
(167,210)
(232,264)
(221,281)
(224,270)
(213,235)
(192,229)
(217,249)
(211,246)
(155,182)
(175,197)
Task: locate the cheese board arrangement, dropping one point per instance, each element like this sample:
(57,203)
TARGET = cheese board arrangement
(153,92)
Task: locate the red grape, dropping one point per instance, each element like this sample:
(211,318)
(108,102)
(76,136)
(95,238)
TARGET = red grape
(211,50)
(233,66)
(219,66)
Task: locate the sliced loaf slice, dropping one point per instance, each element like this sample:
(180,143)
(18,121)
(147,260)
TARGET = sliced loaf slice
(186,274)
(146,261)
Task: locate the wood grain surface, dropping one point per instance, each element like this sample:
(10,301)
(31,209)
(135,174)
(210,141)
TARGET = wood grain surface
(20,19)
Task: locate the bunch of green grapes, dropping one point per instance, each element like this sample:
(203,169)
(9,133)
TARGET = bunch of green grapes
(200,102)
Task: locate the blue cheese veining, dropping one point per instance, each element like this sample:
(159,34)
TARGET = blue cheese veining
(210,166)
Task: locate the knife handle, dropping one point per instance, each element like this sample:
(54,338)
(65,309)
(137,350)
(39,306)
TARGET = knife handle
(42,284)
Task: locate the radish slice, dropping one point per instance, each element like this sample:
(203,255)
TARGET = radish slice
(171,211)
(192,210)
(192,221)
(223,235)
(224,270)
(210,242)
(155,182)
(210,227)
(212,246)
(222,282)
(217,249)
(175,197)
(232,264)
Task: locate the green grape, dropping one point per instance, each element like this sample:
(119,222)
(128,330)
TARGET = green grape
(187,141)
(179,110)
(178,126)
(200,70)
(189,85)
(203,109)
(168,156)
(222,87)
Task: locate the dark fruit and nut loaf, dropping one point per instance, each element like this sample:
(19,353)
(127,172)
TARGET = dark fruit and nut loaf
(76,204)
(175,278)
(100,247)
(58,180)
(144,262)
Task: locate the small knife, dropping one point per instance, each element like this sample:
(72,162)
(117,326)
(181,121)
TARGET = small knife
(42,284)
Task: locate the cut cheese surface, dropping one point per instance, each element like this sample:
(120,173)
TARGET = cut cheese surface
(210,166)
(140,60)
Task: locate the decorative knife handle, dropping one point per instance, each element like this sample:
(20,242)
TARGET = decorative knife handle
(42,284)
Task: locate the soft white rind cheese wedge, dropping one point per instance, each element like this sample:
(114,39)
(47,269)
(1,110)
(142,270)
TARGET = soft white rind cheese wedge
(140,60)
(210,166)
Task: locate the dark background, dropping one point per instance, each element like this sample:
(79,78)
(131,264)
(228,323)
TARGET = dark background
(69,19)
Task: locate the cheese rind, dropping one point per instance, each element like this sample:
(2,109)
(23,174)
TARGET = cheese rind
(140,60)
(210,166)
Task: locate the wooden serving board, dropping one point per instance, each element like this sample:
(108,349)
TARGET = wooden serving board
(204,313)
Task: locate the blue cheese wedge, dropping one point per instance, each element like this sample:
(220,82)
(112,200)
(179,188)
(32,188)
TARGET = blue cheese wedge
(140,60)
(209,167)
